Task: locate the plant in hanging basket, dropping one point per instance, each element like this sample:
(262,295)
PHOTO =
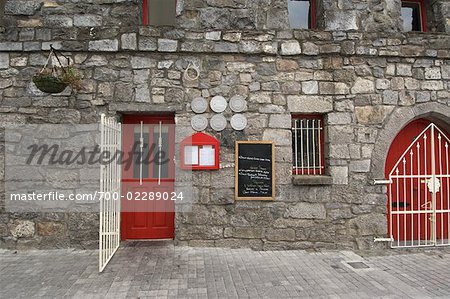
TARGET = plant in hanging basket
(55,80)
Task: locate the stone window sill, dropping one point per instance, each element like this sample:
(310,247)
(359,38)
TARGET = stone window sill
(311,180)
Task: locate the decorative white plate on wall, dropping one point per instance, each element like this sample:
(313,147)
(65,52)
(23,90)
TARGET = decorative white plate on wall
(238,122)
(218,122)
(218,104)
(238,103)
(199,105)
(199,122)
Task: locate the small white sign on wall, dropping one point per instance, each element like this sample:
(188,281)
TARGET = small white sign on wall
(191,155)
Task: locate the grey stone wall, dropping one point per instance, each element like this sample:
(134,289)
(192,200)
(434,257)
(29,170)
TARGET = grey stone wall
(369,16)
(361,82)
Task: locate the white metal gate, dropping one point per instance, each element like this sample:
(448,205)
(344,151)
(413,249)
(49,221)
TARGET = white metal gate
(110,181)
(418,190)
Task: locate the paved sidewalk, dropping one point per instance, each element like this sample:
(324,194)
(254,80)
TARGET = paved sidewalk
(158,269)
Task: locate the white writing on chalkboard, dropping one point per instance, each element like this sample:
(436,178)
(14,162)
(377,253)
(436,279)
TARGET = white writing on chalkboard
(260,174)
(254,159)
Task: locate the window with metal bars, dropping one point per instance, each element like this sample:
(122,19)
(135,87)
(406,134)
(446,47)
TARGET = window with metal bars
(307,145)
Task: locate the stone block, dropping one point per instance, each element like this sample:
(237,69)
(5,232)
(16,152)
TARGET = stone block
(226,47)
(50,229)
(142,94)
(147,44)
(213,35)
(445,71)
(339,151)
(286,65)
(370,224)
(433,73)
(57,21)
(282,121)
(432,85)
(22,229)
(339,175)
(22,7)
(306,210)
(104,45)
(311,180)
(4,60)
(382,83)
(232,37)
(372,114)
(12,46)
(87,20)
(167,45)
(286,234)
(339,118)
(336,20)
(260,97)
(243,232)
(310,87)
(404,70)
(363,86)
(310,48)
(290,48)
(141,62)
(129,41)
(279,136)
(360,166)
(309,104)
(390,97)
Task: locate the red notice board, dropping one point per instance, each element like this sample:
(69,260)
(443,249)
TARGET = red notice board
(200,152)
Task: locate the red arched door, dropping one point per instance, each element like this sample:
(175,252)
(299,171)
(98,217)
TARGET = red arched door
(418,204)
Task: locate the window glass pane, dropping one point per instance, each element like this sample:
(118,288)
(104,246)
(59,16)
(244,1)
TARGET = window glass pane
(161,155)
(161,12)
(299,14)
(140,157)
(411,16)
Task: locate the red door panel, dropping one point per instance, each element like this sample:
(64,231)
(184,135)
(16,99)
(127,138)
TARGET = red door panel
(410,166)
(147,211)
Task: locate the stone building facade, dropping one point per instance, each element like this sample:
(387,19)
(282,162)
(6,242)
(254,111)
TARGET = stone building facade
(357,69)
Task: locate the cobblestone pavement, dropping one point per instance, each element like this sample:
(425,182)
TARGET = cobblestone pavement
(159,269)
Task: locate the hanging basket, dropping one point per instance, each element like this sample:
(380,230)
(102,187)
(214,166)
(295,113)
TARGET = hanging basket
(49,83)
(55,79)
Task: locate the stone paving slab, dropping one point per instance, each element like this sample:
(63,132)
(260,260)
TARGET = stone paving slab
(161,270)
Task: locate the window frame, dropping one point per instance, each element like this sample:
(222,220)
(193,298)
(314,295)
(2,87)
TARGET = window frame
(302,171)
(422,14)
(312,11)
(145,12)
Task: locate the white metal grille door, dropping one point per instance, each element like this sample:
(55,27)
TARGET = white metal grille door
(418,191)
(110,181)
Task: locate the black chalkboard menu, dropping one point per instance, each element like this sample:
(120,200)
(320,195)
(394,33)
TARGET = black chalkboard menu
(255,170)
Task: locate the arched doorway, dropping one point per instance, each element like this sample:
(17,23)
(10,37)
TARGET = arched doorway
(417,167)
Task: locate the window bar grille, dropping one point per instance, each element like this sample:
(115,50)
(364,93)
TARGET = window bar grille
(313,130)
(301,143)
(295,149)
(320,149)
(307,145)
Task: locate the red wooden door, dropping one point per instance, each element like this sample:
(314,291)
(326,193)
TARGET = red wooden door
(418,209)
(148,144)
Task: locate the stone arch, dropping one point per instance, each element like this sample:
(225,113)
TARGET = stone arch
(399,118)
